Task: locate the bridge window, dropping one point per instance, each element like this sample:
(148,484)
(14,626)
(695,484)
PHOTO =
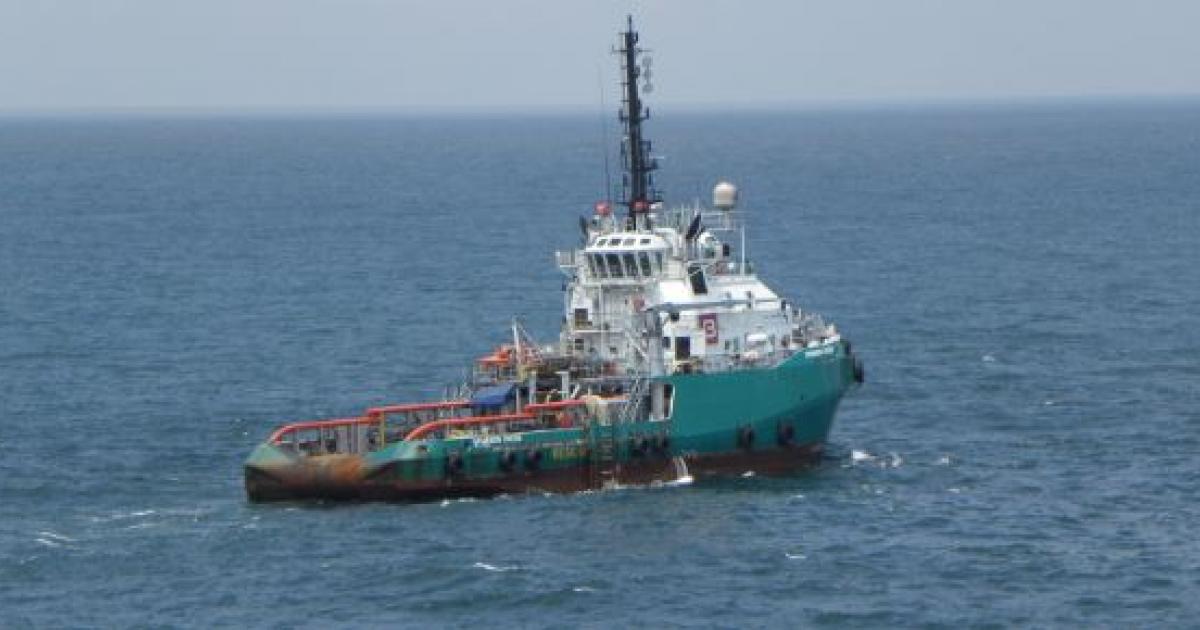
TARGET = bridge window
(644,258)
(658,262)
(614,266)
(631,268)
(597,261)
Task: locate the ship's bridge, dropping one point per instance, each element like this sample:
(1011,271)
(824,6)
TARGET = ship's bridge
(626,256)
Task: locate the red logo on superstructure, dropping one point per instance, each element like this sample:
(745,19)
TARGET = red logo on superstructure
(708,321)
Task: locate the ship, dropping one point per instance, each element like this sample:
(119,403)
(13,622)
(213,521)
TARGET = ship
(675,364)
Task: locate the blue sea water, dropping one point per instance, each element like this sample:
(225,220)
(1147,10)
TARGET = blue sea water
(1023,283)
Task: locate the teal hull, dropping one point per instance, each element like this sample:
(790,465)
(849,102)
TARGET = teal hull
(766,420)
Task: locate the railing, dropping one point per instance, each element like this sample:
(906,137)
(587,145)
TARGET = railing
(532,411)
(374,417)
(466,421)
(370,431)
(635,398)
(278,437)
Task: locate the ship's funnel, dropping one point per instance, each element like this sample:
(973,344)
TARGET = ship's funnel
(725,196)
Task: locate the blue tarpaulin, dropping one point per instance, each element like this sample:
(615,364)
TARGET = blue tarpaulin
(494,396)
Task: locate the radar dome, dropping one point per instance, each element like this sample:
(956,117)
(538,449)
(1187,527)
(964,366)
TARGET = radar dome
(725,196)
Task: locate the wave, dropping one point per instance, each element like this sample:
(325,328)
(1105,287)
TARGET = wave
(495,568)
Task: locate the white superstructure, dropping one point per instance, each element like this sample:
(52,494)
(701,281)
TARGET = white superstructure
(673,294)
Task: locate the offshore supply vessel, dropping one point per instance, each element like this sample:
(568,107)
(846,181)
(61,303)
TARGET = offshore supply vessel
(674,362)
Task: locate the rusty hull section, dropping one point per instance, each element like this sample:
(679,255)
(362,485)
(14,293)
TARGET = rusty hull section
(348,477)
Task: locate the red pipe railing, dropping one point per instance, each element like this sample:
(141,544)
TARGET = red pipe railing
(372,416)
(430,427)
(375,415)
(279,433)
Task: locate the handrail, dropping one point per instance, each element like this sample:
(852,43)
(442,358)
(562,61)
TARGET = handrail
(376,415)
(309,425)
(373,415)
(430,427)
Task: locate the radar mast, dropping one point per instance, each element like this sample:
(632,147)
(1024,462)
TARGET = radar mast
(638,191)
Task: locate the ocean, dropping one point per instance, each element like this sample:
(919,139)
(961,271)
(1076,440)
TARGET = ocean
(1022,282)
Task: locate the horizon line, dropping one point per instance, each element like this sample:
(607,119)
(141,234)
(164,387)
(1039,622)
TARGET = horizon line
(816,106)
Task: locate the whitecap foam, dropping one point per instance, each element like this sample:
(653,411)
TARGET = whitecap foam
(685,480)
(55,536)
(860,456)
(748,474)
(583,589)
(121,516)
(944,460)
(795,556)
(491,567)
(895,460)
(446,502)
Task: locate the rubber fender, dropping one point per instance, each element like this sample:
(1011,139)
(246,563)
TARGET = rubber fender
(533,457)
(662,444)
(508,460)
(745,436)
(787,433)
(454,463)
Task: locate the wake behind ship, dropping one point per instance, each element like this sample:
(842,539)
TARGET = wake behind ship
(674,362)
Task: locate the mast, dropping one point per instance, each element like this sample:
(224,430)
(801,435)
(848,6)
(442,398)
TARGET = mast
(637,182)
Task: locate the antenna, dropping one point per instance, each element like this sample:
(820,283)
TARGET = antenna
(637,181)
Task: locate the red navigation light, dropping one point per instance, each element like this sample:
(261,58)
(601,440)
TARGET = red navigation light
(602,208)
(640,205)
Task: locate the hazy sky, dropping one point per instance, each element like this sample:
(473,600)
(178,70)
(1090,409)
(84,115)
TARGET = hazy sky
(483,55)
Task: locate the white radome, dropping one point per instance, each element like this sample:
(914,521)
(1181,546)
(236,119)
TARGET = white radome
(725,196)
